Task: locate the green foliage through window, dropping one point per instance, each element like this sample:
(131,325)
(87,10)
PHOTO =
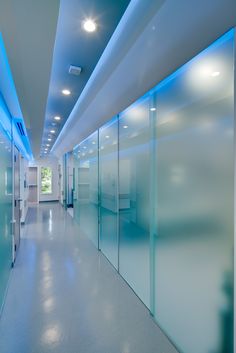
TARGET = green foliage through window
(46,180)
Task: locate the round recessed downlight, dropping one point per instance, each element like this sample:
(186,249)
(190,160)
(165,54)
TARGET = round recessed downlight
(125,127)
(57,118)
(89,25)
(49,139)
(52,131)
(66,92)
(153,109)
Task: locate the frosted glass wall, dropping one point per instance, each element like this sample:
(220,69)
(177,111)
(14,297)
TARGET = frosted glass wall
(164,195)
(134,197)
(195,196)
(65,180)
(86,178)
(5,213)
(108,176)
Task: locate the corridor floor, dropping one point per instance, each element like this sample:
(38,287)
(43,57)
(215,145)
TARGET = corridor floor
(65,297)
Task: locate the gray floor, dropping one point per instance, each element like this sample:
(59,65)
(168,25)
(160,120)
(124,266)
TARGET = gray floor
(65,297)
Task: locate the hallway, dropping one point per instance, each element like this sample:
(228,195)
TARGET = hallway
(65,297)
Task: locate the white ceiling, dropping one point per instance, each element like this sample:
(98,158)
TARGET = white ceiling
(28,28)
(151,41)
(74,46)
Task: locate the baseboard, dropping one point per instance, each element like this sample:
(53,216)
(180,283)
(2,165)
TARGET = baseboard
(48,201)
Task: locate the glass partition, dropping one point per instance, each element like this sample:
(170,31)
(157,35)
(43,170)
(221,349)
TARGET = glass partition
(5,212)
(166,196)
(86,188)
(134,203)
(195,197)
(108,173)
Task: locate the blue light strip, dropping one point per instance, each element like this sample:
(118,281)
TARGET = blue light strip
(9,102)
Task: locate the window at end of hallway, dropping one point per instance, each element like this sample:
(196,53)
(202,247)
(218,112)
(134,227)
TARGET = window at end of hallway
(46,180)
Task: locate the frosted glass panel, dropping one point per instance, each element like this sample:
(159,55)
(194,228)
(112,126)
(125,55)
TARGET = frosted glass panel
(194,240)
(108,172)
(134,197)
(5,213)
(65,180)
(86,191)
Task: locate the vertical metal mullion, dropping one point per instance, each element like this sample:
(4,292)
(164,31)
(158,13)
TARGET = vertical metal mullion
(234,189)
(99,190)
(13,194)
(152,195)
(118,194)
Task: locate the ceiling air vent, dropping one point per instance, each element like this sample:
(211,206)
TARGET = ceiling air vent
(20,128)
(75,70)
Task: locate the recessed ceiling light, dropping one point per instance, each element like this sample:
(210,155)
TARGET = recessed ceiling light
(47,145)
(49,139)
(215,73)
(153,109)
(125,126)
(107,136)
(94,143)
(52,131)
(66,92)
(57,118)
(89,25)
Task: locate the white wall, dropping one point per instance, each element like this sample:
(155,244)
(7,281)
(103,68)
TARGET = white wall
(53,164)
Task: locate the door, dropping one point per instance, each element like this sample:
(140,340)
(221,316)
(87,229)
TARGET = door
(17,200)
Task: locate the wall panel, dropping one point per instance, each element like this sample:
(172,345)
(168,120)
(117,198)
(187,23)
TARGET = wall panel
(134,202)
(5,213)
(108,177)
(194,238)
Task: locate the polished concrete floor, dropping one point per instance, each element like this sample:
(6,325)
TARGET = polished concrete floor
(65,297)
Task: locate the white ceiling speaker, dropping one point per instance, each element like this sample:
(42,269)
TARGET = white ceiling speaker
(75,70)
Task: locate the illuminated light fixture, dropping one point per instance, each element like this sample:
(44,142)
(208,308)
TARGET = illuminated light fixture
(107,136)
(49,139)
(125,127)
(57,118)
(52,131)
(89,25)
(94,143)
(215,73)
(152,109)
(47,145)
(66,92)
